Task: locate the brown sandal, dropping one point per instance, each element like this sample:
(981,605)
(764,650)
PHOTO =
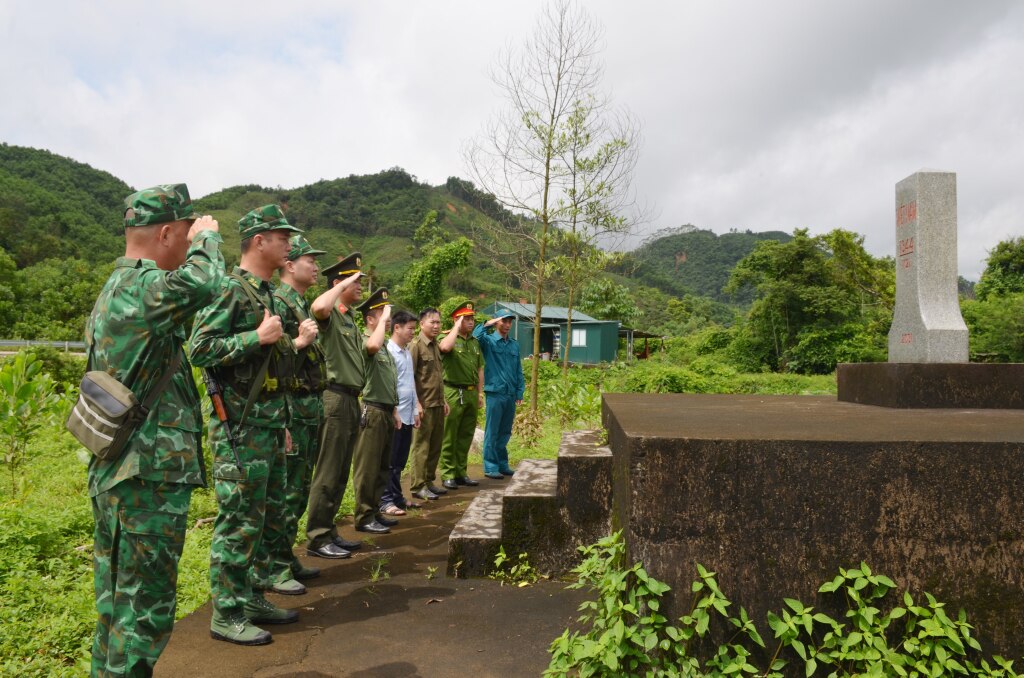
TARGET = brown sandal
(392,510)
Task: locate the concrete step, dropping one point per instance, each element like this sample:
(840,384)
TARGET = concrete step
(547,510)
(474,541)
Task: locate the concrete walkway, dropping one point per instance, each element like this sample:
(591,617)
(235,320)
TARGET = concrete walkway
(414,622)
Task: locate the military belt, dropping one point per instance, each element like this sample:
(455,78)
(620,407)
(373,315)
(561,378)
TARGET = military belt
(338,388)
(379,406)
(464,387)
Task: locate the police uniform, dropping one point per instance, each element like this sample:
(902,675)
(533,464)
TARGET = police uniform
(462,383)
(140,499)
(250,489)
(343,348)
(372,458)
(426,440)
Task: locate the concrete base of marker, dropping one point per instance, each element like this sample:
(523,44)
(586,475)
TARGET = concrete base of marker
(776,493)
(926,385)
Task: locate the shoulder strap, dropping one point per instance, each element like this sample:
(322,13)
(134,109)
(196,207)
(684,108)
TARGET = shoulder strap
(257,303)
(257,384)
(299,314)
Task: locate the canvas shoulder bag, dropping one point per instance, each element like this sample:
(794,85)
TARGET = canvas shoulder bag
(108,412)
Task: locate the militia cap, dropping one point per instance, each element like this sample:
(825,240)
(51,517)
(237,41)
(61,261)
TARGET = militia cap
(353,263)
(501,314)
(300,247)
(261,219)
(466,308)
(161,204)
(376,300)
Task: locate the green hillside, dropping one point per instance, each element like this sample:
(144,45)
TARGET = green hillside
(688,260)
(55,207)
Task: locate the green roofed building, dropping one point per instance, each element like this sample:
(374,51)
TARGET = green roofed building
(593,341)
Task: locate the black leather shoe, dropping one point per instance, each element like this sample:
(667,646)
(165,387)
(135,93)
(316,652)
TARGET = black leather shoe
(373,527)
(328,550)
(494,476)
(466,480)
(437,490)
(385,521)
(346,544)
(507,472)
(424,494)
(450,484)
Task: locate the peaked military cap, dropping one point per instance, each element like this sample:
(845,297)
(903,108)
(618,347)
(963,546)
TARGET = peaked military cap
(353,263)
(300,247)
(466,308)
(161,204)
(376,300)
(261,219)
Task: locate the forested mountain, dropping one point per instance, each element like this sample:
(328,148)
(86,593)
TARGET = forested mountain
(688,260)
(52,206)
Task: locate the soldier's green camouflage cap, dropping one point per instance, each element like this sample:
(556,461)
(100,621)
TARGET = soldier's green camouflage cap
(300,247)
(261,219)
(161,204)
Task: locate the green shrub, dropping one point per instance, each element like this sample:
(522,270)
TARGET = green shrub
(624,633)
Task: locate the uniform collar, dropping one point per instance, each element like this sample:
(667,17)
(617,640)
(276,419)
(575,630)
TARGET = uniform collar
(128,262)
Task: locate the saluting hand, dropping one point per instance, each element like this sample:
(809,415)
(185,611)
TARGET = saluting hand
(270,329)
(386,315)
(308,331)
(349,280)
(203,223)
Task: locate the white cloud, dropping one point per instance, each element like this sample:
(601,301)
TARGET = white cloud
(756,115)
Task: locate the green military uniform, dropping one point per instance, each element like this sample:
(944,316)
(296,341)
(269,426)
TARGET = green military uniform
(305,407)
(250,498)
(426,440)
(462,367)
(140,499)
(372,458)
(343,348)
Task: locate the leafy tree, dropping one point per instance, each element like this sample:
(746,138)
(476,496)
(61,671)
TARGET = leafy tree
(56,297)
(996,328)
(605,299)
(818,300)
(26,398)
(423,286)
(1004,271)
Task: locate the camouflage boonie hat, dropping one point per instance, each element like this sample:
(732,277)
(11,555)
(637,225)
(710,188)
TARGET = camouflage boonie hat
(376,300)
(262,219)
(161,204)
(301,247)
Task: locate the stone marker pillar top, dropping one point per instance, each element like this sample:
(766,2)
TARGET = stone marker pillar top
(927,326)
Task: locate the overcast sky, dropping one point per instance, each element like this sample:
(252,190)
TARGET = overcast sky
(755,115)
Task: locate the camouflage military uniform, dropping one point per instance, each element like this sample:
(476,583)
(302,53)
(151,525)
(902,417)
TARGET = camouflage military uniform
(250,499)
(305,406)
(140,500)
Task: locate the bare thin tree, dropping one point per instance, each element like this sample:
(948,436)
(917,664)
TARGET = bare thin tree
(525,156)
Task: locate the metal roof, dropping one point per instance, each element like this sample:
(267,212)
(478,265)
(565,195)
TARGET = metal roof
(550,312)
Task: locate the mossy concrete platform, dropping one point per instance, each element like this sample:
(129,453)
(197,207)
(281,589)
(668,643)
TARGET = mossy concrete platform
(776,493)
(547,510)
